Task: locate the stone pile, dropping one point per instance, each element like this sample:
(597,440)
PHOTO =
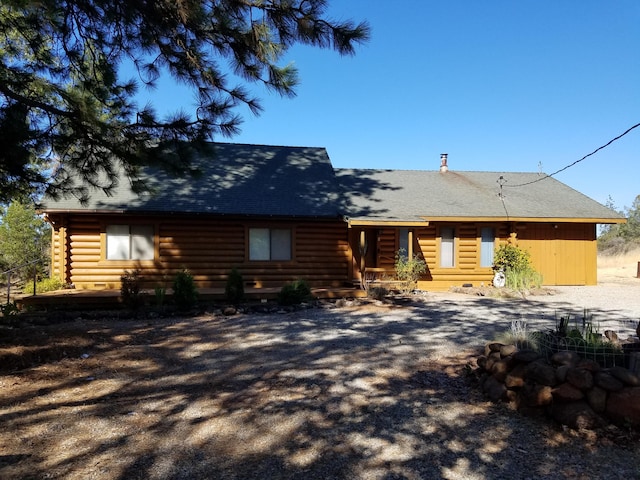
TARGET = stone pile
(573,391)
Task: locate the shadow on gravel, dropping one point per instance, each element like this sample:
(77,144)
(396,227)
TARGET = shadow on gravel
(349,393)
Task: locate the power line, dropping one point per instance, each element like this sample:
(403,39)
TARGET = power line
(577,161)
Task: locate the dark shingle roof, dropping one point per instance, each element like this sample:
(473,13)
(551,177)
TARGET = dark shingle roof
(236,179)
(411,195)
(260,180)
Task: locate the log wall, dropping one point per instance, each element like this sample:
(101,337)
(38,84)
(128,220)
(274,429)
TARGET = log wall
(209,248)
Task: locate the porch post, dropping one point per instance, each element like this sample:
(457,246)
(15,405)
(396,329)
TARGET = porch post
(363,251)
(410,244)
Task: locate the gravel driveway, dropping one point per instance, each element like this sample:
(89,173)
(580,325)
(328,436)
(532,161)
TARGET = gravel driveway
(339,392)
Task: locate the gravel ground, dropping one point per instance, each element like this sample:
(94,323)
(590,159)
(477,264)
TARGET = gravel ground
(373,391)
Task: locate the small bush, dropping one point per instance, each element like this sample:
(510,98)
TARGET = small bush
(294,293)
(408,270)
(516,265)
(234,289)
(160,293)
(510,257)
(130,283)
(44,285)
(9,310)
(185,294)
(377,293)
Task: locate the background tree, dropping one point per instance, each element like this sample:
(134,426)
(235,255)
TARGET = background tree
(621,238)
(24,237)
(65,110)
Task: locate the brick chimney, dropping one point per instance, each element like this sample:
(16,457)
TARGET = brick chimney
(443,162)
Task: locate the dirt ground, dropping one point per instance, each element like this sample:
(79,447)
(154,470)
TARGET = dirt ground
(371,391)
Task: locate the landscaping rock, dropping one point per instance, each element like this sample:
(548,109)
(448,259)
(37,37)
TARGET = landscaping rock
(580,378)
(500,369)
(494,389)
(515,378)
(576,415)
(565,358)
(611,336)
(597,399)
(491,359)
(588,364)
(506,350)
(625,376)
(492,347)
(536,395)
(541,373)
(525,356)
(624,406)
(561,373)
(567,393)
(482,361)
(607,381)
(572,390)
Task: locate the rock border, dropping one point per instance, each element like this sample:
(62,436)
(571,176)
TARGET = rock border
(573,391)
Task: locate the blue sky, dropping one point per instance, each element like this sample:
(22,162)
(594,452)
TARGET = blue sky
(517,85)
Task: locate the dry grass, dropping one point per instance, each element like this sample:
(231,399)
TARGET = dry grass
(627,260)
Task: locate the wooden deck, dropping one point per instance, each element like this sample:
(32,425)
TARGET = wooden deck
(90,299)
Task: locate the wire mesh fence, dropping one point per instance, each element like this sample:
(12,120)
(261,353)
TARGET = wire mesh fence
(604,352)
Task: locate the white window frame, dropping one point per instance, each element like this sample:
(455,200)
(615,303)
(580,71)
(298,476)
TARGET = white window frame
(270,244)
(447,247)
(487,246)
(130,242)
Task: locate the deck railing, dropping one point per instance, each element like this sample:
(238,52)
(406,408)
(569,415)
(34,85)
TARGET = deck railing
(20,267)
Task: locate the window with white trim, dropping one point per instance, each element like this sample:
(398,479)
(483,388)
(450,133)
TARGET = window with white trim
(487,246)
(272,244)
(447,247)
(130,242)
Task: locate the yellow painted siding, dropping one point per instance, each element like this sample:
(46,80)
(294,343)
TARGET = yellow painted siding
(565,254)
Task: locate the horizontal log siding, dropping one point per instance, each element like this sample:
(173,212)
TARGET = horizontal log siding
(83,238)
(209,249)
(387,247)
(467,269)
(58,257)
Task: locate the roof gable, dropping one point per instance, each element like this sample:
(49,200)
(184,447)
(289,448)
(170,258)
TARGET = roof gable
(234,179)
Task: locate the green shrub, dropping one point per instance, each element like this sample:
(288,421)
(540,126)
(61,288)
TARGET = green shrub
(516,265)
(234,289)
(510,257)
(377,293)
(408,270)
(44,285)
(130,283)
(294,293)
(8,310)
(185,294)
(160,293)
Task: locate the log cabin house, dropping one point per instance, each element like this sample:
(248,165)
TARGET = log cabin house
(283,213)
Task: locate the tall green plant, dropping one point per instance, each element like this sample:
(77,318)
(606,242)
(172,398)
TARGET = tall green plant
(409,270)
(234,289)
(516,265)
(185,294)
(130,283)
